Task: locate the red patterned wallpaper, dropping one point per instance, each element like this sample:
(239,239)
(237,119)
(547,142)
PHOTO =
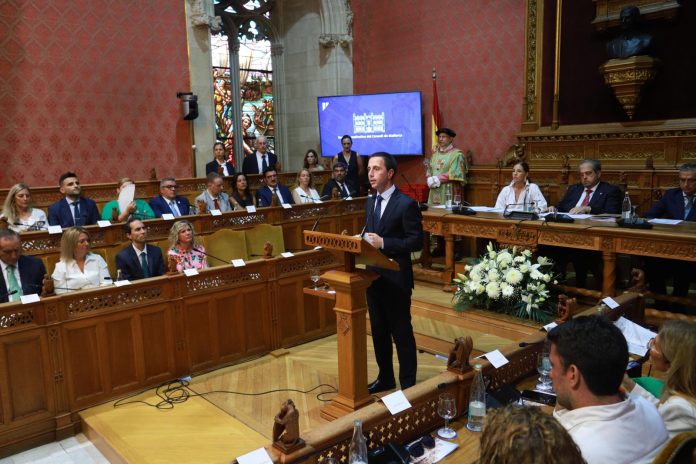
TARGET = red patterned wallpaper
(91,86)
(477,48)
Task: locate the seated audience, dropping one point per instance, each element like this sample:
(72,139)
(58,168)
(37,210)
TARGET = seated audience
(214,196)
(526,435)
(73,210)
(137,208)
(264,195)
(261,159)
(140,260)
(168,202)
(338,182)
(219,165)
(521,195)
(672,351)
(21,275)
(78,267)
(312,161)
(241,194)
(188,253)
(676,203)
(588,360)
(304,192)
(590,196)
(19,211)
(353,163)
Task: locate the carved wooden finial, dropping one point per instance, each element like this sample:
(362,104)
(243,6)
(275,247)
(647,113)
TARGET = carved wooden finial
(48,288)
(267,250)
(566,307)
(344,232)
(274,200)
(114,215)
(172,262)
(3,223)
(202,207)
(286,428)
(277,166)
(458,359)
(335,195)
(637,281)
(221,170)
(153,174)
(327,164)
(469,157)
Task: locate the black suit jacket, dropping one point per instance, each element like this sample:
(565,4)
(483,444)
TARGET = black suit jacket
(160,207)
(605,200)
(60,214)
(331,184)
(264,196)
(671,206)
(250,165)
(213,167)
(129,264)
(31,273)
(401,229)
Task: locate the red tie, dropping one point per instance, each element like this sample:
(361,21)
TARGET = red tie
(586,200)
(217,205)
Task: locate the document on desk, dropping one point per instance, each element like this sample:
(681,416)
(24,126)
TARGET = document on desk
(574,216)
(636,336)
(436,454)
(669,222)
(487,209)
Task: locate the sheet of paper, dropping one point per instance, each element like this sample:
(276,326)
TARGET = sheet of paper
(31,298)
(396,402)
(669,222)
(251,209)
(238,263)
(190,272)
(168,217)
(550,326)
(442,448)
(121,283)
(487,209)
(496,358)
(609,301)
(287,254)
(580,216)
(603,219)
(215,212)
(55,230)
(103,223)
(125,196)
(636,336)
(259,456)
(286,205)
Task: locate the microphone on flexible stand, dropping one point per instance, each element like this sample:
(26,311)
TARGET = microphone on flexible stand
(421,206)
(211,256)
(8,293)
(520,215)
(314,200)
(316,223)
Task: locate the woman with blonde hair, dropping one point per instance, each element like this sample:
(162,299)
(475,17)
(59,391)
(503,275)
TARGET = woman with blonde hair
(19,211)
(672,352)
(188,253)
(304,192)
(78,267)
(526,435)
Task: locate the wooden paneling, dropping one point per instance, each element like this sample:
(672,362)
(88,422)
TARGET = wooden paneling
(157,344)
(83,366)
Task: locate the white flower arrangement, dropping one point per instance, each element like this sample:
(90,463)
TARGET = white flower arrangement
(507,281)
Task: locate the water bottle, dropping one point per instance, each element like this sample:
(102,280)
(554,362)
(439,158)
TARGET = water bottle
(626,208)
(448,195)
(477,402)
(357,452)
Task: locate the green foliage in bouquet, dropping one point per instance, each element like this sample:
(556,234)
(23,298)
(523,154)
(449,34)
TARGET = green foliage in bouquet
(508,282)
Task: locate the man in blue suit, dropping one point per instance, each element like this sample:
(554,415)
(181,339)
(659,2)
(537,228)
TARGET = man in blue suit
(140,260)
(590,196)
(169,202)
(73,210)
(261,159)
(393,226)
(676,203)
(264,195)
(21,275)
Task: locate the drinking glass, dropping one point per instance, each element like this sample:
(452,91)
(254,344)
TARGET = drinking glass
(457,200)
(633,213)
(544,368)
(315,275)
(447,409)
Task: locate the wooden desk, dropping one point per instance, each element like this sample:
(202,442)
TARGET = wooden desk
(673,242)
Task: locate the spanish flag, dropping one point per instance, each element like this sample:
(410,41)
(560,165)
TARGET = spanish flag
(436,120)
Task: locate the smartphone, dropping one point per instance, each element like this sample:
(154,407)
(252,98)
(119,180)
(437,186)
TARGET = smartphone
(539,397)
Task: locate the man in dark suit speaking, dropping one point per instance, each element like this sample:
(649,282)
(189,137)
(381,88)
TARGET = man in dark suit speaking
(139,260)
(393,225)
(21,275)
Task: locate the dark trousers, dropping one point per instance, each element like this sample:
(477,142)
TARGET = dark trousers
(390,318)
(659,270)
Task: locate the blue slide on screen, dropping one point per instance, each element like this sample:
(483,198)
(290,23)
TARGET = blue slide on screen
(388,122)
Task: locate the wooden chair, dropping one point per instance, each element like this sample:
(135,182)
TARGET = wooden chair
(257,237)
(227,245)
(681,449)
(111,257)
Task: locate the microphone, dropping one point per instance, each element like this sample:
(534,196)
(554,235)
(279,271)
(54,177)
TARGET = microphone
(520,215)
(210,256)
(316,223)
(324,197)
(523,344)
(443,385)
(421,206)
(8,293)
(309,198)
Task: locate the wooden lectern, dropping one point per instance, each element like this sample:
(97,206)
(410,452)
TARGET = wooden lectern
(350,285)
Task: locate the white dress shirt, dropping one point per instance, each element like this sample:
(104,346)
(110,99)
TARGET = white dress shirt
(67,276)
(530,194)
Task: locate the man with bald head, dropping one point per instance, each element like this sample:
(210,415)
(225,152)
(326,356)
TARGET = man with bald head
(260,159)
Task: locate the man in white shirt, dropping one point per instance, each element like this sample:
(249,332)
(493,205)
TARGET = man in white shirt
(214,197)
(588,360)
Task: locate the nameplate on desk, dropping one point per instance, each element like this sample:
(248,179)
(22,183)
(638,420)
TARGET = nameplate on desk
(215,212)
(550,326)
(609,301)
(238,263)
(287,254)
(168,217)
(251,209)
(103,223)
(318,202)
(396,402)
(259,456)
(286,205)
(190,272)
(496,358)
(121,283)
(31,298)
(55,230)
